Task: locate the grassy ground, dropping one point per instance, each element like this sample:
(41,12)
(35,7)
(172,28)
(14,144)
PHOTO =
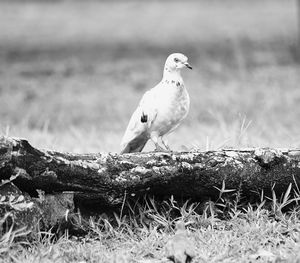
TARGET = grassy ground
(239,233)
(72,74)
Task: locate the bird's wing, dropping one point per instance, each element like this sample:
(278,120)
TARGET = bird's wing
(136,134)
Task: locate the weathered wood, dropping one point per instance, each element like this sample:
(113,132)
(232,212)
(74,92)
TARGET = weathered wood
(106,178)
(20,211)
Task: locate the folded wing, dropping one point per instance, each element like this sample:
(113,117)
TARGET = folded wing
(136,135)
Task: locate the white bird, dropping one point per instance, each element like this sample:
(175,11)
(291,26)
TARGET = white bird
(160,110)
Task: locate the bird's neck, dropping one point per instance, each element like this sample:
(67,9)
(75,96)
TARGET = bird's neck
(172,74)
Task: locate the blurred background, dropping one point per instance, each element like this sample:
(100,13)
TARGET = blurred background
(72,72)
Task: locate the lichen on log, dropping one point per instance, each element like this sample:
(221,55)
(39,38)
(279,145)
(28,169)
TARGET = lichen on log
(106,177)
(105,180)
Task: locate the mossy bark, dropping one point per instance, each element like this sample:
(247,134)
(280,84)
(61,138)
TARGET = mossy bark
(106,177)
(104,180)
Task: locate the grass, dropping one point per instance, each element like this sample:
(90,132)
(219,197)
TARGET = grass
(71,83)
(71,77)
(250,233)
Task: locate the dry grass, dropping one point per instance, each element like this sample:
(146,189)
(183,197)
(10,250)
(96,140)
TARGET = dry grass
(71,75)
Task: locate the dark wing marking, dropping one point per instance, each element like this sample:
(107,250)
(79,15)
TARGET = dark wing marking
(144,117)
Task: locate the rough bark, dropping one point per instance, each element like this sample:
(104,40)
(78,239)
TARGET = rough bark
(20,211)
(106,178)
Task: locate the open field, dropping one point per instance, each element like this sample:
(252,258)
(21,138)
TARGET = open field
(70,77)
(72,74)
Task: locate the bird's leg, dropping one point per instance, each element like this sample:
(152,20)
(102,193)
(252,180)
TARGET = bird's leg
(158,148)
(165,143)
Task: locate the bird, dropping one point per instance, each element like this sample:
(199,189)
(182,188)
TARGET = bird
(180,248)
(160,110)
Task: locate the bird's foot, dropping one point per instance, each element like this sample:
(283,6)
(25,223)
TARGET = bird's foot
(168,149)
(158,148)
(165,143)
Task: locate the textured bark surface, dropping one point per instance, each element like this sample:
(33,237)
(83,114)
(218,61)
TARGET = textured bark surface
(20,211)
(103,181)
(106,178)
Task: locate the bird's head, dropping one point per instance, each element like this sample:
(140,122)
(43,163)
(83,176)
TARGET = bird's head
(177,61)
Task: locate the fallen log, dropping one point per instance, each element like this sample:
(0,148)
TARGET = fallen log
(108,177)
(20,211)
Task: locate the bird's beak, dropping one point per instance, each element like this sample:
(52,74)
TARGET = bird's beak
(188,65)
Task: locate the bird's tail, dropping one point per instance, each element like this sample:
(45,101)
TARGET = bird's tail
(135,145)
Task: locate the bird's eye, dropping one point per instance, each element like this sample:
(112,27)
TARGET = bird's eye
(176,60)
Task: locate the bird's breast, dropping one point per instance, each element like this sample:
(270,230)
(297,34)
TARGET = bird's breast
(172,107)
